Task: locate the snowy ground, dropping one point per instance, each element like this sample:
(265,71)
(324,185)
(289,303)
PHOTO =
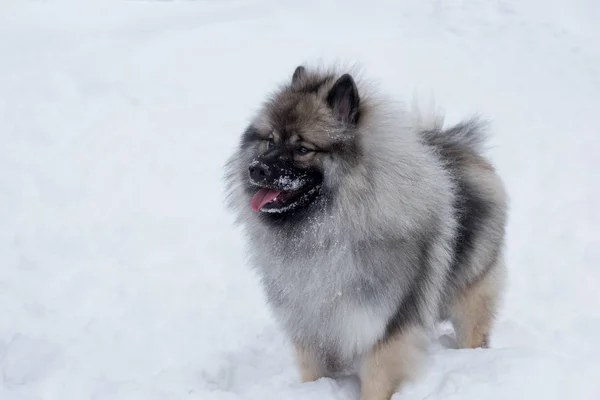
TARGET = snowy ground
(121,276)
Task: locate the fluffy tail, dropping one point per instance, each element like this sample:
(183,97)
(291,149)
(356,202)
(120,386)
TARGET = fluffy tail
(426,117)
(470,134)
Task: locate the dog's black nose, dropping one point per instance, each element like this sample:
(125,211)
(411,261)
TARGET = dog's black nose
(257,172)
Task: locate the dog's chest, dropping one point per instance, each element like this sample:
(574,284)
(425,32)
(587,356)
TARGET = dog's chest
(326,305)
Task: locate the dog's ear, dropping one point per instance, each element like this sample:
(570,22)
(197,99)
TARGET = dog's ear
(343,99)
(299,73)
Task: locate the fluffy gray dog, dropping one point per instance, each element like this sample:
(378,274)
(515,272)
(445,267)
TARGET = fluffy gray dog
(367,228)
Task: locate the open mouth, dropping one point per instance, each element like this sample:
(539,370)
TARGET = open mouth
(272,200)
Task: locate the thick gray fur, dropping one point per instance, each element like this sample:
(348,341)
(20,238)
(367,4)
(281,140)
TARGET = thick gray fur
(409,217)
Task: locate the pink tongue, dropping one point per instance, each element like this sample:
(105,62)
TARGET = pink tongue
(262,197)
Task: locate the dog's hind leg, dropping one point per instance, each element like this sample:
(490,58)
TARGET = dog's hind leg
(391,363)
(474,308)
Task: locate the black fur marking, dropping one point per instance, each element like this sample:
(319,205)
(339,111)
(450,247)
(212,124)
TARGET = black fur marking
(473,213)
(457,145)
(407,313)
(249,136)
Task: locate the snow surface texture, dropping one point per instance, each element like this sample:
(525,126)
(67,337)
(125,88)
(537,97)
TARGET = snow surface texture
(121,276)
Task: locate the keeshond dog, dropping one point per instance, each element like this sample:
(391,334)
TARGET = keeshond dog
(367,227)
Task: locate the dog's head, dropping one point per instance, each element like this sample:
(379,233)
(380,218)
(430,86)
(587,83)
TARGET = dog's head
(300,142)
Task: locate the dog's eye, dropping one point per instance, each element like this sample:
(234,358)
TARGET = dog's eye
(270,144)
(303,150)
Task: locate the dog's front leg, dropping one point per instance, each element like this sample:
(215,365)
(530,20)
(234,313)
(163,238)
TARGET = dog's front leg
(392,362)
(310,366)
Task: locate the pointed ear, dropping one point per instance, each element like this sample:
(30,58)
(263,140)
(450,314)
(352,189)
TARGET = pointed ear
(299,73)
(343,99)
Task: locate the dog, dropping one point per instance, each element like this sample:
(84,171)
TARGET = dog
(367,226)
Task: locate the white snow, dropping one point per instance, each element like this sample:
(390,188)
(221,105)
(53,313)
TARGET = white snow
(121,275)
(290,182)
